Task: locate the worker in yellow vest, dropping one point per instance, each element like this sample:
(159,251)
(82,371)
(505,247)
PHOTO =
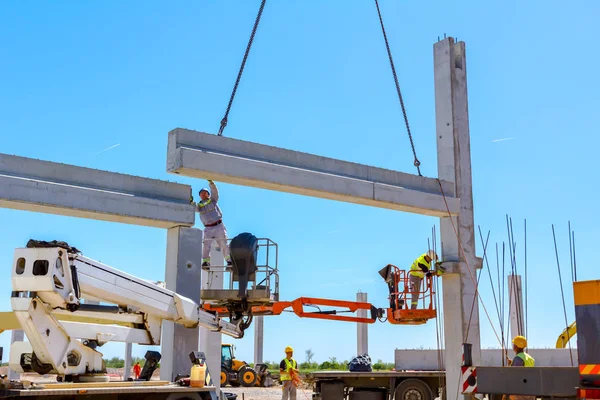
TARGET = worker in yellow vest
(521,359)
(287,365)
(419,268)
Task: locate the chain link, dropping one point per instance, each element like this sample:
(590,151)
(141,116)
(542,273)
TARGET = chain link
(417,163)
(237,81)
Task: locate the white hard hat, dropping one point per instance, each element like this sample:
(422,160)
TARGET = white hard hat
(432,255)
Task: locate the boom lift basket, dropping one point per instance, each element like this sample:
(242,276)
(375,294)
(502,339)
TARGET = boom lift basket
(252,280)
(400,296)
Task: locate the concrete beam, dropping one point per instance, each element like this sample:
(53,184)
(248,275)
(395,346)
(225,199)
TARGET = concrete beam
(206,156)
(42,186)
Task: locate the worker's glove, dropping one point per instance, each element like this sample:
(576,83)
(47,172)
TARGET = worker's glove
(191,199)
(429,274)
(438,264)
(210,181)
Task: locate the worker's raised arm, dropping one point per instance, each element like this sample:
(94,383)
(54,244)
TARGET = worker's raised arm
(214,192)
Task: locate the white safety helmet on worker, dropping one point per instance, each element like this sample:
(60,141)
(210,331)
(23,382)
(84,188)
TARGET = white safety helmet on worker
(431,254)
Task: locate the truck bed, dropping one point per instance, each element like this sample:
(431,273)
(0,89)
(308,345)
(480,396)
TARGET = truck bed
(374,374)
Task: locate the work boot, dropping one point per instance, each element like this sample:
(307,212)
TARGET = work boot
(206,264)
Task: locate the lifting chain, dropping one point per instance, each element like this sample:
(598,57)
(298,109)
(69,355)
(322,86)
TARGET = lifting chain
(237,81)
(417,163)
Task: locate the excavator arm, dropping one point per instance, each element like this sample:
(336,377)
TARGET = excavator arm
(566,335)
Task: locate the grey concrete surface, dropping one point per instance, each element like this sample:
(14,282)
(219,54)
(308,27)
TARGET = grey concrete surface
(362,330)
(427,360)
(206,156)
(259,327)
(42,186)
(461,309)
(182,275)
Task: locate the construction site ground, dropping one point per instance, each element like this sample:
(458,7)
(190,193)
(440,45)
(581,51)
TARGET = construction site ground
(270,393)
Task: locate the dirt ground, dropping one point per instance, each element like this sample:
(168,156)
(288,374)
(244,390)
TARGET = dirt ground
(272,393)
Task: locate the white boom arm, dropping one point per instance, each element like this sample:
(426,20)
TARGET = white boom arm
(51,281)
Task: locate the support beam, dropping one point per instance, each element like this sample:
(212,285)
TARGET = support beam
(206,156)
(34,185)
(259,326)
(210,342)
(515,295)
(182,275)
(461,308)
(362,330)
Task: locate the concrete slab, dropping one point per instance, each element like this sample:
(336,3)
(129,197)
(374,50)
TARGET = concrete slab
(206,156)
(182,275)
(43,186)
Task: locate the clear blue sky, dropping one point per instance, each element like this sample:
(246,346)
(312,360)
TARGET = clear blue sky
(80,77)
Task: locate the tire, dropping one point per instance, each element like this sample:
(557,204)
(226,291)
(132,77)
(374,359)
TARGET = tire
(224,378)
(413,389)
(247,376)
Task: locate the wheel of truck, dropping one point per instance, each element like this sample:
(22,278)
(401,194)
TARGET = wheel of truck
(247,376)
(413,389)
(224,378)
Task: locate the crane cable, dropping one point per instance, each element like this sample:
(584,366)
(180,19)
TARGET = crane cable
(237,81)
(417,163)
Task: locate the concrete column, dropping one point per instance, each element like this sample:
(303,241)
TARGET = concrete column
(362,330)
(259,325)
(515,295)
(182,275)
(454,164)
(128,351)
(210,342)
(15,336)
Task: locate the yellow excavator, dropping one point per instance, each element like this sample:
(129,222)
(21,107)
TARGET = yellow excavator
(235,372)
(566,335)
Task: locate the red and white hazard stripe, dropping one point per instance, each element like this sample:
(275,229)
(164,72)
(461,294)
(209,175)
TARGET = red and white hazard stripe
(469,379)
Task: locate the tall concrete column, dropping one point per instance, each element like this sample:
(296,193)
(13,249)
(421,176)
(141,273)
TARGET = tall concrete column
(210,342)
(515,295)
(15,336)
(454,165)
(362,330)
(259,325)
(127,368)
(182,275)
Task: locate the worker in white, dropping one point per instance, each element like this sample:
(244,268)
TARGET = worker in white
(212,219)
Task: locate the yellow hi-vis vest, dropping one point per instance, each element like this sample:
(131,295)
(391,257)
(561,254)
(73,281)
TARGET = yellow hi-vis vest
(527,359)
(416,270)
(289,364)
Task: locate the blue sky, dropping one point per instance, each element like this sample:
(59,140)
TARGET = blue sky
(80,77)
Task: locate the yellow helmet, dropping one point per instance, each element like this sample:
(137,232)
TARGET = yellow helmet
(520,342)
(289,349)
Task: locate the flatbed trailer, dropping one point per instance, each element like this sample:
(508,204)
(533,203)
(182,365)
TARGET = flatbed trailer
(389,385)
(151,390)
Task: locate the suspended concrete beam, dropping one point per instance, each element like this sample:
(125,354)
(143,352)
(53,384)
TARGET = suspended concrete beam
(34,185)
(207,156)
